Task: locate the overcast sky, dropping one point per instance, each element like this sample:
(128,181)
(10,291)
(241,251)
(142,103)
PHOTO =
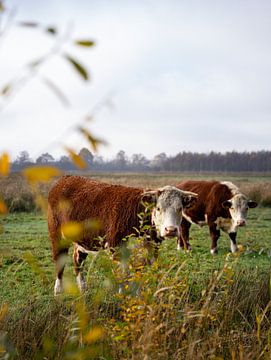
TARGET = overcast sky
(181,75)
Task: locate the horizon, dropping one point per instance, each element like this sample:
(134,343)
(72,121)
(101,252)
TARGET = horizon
(129,157)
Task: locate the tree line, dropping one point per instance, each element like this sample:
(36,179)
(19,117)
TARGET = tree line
(255,161)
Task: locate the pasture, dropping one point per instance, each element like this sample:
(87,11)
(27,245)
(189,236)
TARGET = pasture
(185,306)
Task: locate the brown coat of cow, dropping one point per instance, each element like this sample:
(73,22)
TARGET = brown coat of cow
(115,206)
(213,208)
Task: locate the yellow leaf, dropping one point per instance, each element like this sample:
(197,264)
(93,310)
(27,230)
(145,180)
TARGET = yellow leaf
(94,142)
(71,230)
(4,164)
(70,288)
(76,159)
(63,205)
(94,334)
(41,201)
(41,173)
(83,315)
(3,311)
(3,207)
(241,247)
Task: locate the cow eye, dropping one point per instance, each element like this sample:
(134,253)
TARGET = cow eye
(158,208)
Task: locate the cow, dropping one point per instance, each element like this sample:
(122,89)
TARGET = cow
(220,205)
(77,199)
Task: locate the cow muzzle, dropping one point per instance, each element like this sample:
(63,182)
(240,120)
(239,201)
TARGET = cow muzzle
(171,231)
(241,222)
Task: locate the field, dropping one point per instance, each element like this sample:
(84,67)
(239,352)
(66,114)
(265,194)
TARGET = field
(185,306)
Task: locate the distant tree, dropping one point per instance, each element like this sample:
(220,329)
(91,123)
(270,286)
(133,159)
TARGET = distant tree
(86,155)
(98,160)
(158,161)
(139,162)
(45,159)
(65,163)
(23,158)
(121,160)
(64,159)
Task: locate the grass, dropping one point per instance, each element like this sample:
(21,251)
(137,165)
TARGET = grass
(184,306)
(186,298)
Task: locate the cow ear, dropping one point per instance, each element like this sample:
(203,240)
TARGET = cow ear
(189,199)
(150,196)
(226,204)
(252,204)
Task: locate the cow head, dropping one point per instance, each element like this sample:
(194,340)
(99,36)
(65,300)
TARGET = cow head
(169,203)
(238,206)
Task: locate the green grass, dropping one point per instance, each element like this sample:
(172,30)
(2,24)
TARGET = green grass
(39,326)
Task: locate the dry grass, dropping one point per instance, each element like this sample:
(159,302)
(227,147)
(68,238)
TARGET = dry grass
(19,197)
(167,313)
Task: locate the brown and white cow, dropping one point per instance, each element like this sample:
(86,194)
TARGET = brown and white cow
(78,199)
(220,205)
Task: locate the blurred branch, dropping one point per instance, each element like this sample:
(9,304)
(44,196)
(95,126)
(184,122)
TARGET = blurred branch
(32,69)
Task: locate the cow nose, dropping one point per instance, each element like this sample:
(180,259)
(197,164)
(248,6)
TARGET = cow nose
(171,230)
(241,222)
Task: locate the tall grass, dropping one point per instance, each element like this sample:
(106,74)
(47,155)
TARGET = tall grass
(166,312)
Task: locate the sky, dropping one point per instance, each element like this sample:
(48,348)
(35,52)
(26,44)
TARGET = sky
(165,76)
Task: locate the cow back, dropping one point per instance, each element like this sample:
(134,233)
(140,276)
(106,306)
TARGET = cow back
(211,195)
(114,206)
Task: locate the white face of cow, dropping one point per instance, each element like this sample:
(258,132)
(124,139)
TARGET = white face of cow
(167,213)
(238,206)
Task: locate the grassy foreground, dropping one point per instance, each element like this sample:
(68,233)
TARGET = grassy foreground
(185,306)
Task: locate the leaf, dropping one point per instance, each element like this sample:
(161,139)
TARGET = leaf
(89,117)
(40,173)
(28,23)
(94,334)
(6,89)
(36,63)
(70,288)
(83,315)
(71,230)
(78,67)
(4,164)
(85,43)
(2,7)
(42,203)
(51,30)
(94,142)
(56,90)
(3,208)
(3,311)
(76,159)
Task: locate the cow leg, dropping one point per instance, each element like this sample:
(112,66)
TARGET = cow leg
(60,260)
(234,247)
(183,239)
(215,234)
(78,259)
